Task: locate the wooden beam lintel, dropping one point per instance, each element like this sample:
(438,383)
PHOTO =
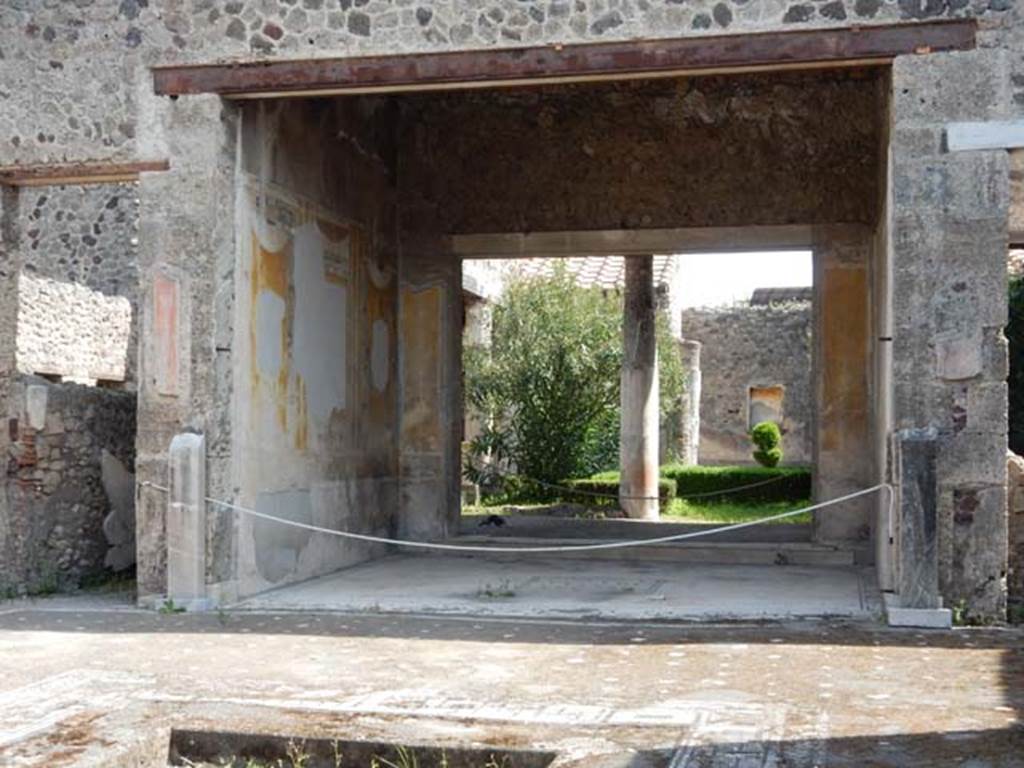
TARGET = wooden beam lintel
(78,173)
(877,44)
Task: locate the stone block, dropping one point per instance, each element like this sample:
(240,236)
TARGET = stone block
(958,356)
(119,524)
(917,618)
(973,458)
(186,521)
(915,141)
(36,396)
(955,85)
(966,185)
(978,548)
(918,581)
(995,353)
(987,407)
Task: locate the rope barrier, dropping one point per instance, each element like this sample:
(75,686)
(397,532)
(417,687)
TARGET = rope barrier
(539,549)
(599,494)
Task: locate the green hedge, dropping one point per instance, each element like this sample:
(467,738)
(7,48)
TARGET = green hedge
(607,484)
(793,483)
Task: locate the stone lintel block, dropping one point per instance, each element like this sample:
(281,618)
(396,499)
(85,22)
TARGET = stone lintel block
(186,521)
(954,85)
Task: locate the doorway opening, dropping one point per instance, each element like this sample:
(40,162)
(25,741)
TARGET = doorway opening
(727,326)
(357,215)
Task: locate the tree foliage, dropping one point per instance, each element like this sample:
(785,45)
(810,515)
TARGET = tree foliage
(548,387)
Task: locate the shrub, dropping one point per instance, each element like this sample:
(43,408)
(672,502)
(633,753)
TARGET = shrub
(547,390)
(790,483)
(607,485)
(767,441)
(688,481)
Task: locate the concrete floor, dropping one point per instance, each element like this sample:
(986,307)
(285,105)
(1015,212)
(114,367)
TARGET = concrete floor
(550,587)
(94,683)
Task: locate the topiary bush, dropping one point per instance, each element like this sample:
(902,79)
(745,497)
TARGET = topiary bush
(767,439)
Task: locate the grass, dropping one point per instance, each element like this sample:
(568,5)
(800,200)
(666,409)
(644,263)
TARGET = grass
(681,510)
(734,500)
(107,582)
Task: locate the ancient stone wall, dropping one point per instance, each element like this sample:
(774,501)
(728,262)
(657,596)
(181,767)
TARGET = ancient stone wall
(52,536)
(948,223)
(187,258)
(76,87)
(86,236)
(70,331)
(314,416)
(75,73)
(68,290)
(748,347)
(82,234)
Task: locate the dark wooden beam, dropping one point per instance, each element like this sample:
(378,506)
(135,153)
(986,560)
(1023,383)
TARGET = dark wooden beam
(77,173)
(818,47)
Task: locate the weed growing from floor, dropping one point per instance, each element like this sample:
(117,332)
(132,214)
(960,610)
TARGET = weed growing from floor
(296,752)
(503,589)
(48,583)
(169,607)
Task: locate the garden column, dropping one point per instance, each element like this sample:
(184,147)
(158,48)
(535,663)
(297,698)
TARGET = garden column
(638,441)
(688,449)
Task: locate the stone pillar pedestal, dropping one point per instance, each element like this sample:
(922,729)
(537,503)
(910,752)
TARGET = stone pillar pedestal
(688,449)
(186,523)
(638,446)
(917,602)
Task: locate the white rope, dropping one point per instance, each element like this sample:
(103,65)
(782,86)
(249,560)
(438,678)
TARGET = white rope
(538,550)
(685,496)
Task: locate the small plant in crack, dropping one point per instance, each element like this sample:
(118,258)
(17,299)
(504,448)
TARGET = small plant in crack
(296,752)
(503,589)
(169,607)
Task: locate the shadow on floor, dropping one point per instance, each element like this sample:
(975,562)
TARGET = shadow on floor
(991,748)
